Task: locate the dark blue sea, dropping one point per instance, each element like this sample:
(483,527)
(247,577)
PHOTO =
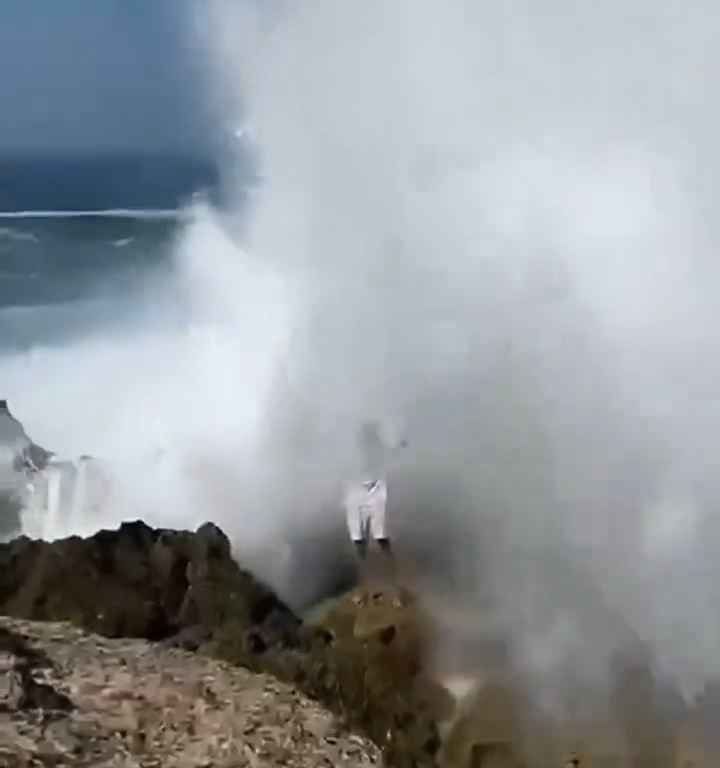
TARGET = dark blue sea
(78,236)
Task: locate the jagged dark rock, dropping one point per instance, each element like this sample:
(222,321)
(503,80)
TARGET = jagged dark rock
(140,582)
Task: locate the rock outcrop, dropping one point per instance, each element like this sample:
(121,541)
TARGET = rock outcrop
(364,657)
(115,681)
(184,590)
(141,582)
(71,698)
(20,457)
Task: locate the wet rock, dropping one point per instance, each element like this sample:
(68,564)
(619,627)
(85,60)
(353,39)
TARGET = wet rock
(10,515)
(365,661)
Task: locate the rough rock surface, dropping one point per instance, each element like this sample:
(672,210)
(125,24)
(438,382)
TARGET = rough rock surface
(140,582)
(364,656)
(72,698)
(184,590)
(364,660)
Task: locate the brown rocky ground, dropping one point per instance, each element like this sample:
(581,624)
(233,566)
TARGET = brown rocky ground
(184,589)
(77,699)
(365,656)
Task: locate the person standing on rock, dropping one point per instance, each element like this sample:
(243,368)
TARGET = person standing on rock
(367,494)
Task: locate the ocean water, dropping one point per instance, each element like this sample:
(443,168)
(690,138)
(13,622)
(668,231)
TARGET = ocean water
(79,235)
(59,273)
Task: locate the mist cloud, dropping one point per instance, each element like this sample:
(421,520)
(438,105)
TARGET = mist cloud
(499,228)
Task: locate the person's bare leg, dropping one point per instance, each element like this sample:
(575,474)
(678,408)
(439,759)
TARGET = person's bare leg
(361,548)
(388,557)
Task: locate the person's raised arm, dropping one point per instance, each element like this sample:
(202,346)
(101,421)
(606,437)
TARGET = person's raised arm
(396,449)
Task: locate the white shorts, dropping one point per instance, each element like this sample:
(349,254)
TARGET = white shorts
(365,505)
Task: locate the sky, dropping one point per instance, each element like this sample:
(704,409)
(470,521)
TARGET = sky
(93,76)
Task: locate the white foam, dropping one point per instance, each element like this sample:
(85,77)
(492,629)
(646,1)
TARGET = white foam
(114,213)
(122,242)
(12,234)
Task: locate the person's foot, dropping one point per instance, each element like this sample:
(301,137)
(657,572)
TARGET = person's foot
(385,546)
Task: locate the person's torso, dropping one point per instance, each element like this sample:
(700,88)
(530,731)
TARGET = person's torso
(373,463)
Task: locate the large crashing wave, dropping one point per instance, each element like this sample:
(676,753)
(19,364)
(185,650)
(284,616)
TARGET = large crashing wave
(190,385)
